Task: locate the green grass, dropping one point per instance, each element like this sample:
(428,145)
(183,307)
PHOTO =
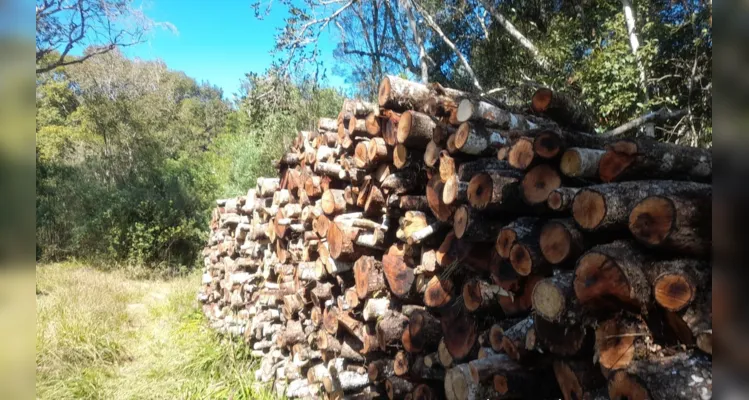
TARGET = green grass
(105,335)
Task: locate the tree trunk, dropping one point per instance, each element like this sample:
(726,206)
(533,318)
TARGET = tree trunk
(498,190)
(369,277)
(454,191)
(608,206)
(677,282)
(483,370)
(633,159)
(425,331)
(578,379)
(415,129)
(490,115)
(341,242)
(611,275)
(561,241)
(481,295)
(476,140)
(622,340)
(560,199)
(459,385)
(397,388)
(518,229)
(390,329)
(472,226)
(434,194)
(378,151)
(460,333)
(539,182)
(514,339)
(581,162)
(439,292)
(679,223)
(563,109)
(399,94)
(683,376)
(379,370)
(432,153)
(400,276)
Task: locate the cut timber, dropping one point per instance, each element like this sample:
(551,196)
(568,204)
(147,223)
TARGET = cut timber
(560,199)
(348,347)
(526,258)
(375,202)
(454,191)
(399,94)
(611,275)
(369,277)
(632,159)
(378,151)
(561,241)
(521,153)
(398,388)
(694,324)
(483,370)
(341,242)
(267,186)
(548,145)
(403,181)
(390,329)
(459,385)
(676,282)
(496,189)
(472,226)
(357,108)
(375,308)
(321,293)
(468,170)
(581,162)
(439,292)
(481,295)
(475,140)
(357,127)
(425,331)
(361,156)
(491,115)
(379,370)
(680,223)
(400,156)
(622,340)
(447,166)
(402,361)
(327,124)
(578,379)
(554,299)
(415,129)
(460,332)
(539,182)
(608,206)
(372,123)
(563,109)
(432,154)
(399,275)
(518,229)
(681,377)
(514,339)
(328,169)
(434,193)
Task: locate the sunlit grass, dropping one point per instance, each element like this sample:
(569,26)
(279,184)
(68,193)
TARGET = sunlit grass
(103,335)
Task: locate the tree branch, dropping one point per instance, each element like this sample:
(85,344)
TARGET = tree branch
(428,19)
(652,117)
(538,58)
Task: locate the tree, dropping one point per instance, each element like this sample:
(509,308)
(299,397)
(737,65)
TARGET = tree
(98,25)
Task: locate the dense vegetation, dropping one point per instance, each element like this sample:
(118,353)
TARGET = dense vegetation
(131,155)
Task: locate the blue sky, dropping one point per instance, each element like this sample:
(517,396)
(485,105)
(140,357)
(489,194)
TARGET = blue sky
(219,41)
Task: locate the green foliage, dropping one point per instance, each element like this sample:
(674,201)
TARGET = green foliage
(131,155)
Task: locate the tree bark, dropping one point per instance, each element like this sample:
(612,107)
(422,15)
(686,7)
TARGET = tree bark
(683,376)
(490,115)
(578,379)
(496,190)
(633,159)
(581,162)
(415,129)
(472,226)
(563,109)
(561,241)
(476,140)
(369,277)
(518,229)
(622,340)
(400,276)
(399,94)
(611,276)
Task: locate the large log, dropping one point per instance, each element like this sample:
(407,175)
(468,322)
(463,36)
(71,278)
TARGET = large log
(399,275)
(496,190)
(539,182)
(560,199)
(390,329)
(677,222)
(369,277)
(470,225)
(415,129)
(519,229)
(554,299)
(581,162)
(399,94)
(682,376)
(622,340)
(631,159)
(425,331)
(608,206)
(578,379)
(460,332)
(611,276)
(475,139)
(693,325)
(563,109)
(492,115)
(677,282)
(561,241)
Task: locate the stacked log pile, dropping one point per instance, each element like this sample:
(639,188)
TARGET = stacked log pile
(436,245)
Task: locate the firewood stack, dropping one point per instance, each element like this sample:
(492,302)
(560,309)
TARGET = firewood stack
(438,245)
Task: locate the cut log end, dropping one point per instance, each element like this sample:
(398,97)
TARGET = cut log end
(541,99)
(673,292)
(548,300)
(521,259)
(555,201)
(480,190)
(521,153)
(652,219)
(461,135)
(461,219)
(589,209)
(539,182)
(597,276)
(555,242)
(383,92)
(614,162)
(400,156)
(404,127)
(548,144)
(465,110)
